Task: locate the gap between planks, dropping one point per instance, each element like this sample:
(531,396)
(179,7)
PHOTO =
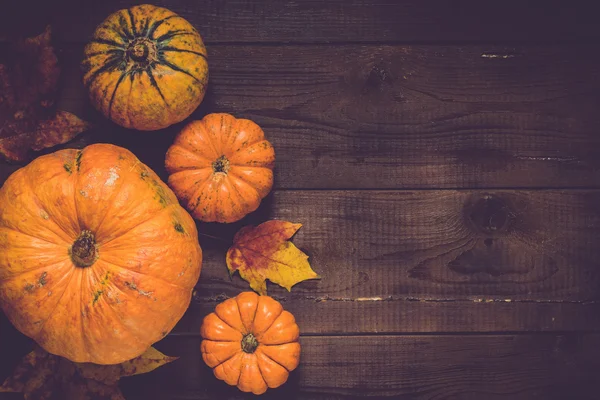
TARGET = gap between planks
(392,335)
(444,189)
(374,299)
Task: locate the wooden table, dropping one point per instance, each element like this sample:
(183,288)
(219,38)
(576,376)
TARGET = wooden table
(444,161)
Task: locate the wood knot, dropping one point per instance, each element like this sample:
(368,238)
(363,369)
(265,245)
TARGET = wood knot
(378,76)
(489,215)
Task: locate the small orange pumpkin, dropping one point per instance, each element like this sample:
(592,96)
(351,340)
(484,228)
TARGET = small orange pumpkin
(221,167)
(145,68)
(97,258)
(251,342)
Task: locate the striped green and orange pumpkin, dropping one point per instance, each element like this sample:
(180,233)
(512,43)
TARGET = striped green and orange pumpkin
(145,68)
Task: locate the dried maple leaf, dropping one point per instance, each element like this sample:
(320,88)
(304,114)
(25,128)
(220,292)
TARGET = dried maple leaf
(42,375)
(264,252)
(61,128)
(28,84)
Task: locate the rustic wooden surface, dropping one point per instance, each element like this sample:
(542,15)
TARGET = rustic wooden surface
(445,163)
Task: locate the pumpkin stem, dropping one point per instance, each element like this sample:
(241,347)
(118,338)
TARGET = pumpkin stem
(141,50)
(249,343)
(221,165)
(84,251)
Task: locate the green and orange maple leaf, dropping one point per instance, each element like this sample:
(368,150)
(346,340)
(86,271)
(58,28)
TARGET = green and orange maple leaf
(265,252)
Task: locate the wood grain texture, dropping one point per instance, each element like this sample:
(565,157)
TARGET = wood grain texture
(499,100)
(330,21)
(403,367)
(419,117)
(387,117)
(428,261)
(521,245)
(392,315)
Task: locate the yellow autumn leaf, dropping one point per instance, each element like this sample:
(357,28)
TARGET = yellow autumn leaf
(264,252)
(42,375)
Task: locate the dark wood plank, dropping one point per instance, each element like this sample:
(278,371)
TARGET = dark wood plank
(333,20)
(403,367)
(398,116)
(13,347)
(520,245)
(428,261)
(392,315)
(549,366)
(427,117)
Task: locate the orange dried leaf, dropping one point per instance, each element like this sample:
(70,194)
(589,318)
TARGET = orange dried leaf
(264,252)
(42,375)
(60,129)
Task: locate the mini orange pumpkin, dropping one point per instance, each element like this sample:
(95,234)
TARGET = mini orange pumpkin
(221,167)
(97,258)
(251,342)
(145,68)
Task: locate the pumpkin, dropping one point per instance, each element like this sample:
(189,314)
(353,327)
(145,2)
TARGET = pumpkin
(97,257)
(221,167)
(145,68)
(251,342)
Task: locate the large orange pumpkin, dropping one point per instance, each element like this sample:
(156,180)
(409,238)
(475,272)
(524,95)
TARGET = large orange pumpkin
(97,258)
(145,68)
(221,167)
(251,342)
